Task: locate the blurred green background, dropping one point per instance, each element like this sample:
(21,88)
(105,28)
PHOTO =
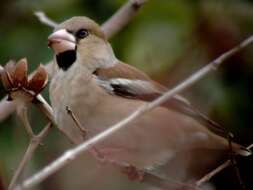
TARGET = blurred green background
(169,40)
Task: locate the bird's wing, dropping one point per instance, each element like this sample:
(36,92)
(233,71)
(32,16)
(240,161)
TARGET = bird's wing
(126,81)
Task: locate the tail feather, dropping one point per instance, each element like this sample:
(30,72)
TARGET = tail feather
(241,150)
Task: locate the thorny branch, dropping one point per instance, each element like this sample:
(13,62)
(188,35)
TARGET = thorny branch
(70,155)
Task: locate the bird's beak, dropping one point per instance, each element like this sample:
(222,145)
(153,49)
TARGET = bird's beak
(61,41)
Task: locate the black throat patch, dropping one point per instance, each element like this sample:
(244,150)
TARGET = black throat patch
(66,59)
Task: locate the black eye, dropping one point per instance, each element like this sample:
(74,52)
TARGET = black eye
(82,33)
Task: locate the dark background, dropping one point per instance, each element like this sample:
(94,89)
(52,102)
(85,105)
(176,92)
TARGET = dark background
(169,40)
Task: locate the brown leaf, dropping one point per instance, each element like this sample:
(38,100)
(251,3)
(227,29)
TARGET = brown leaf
(39,80)
(20,73)
(10,67)
(7,75)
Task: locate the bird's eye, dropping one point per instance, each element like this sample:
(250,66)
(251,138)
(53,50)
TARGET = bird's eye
(82,33)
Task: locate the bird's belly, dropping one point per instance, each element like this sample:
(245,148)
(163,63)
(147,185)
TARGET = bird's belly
(143,143)
(133,144)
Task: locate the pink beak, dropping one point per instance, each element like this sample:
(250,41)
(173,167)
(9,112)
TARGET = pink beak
(61,41)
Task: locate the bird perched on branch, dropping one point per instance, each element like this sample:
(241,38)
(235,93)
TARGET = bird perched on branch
(101,90)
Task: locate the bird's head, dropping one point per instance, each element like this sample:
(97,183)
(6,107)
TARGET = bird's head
(81,40)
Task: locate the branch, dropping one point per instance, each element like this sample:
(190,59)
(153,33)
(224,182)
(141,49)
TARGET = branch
(70,155)
(77,122)
(122,17)
(208,176)
(46,109)
(44,19)
(35,141)
(23,92)
(211,174)
(22,114)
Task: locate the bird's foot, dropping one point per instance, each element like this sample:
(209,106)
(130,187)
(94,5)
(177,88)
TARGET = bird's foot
(133,173)
(104,157)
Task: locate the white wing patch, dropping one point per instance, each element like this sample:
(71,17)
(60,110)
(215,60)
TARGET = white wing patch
(137,87)
(134,87)
(104,84)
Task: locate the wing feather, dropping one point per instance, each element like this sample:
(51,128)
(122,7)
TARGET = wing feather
(126,81)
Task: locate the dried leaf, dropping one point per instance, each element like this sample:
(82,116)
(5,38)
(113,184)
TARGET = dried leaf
(6,81)
(10,67)
(39,80)
(7,74)
(20,73)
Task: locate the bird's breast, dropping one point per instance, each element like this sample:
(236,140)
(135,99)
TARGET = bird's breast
(76,90)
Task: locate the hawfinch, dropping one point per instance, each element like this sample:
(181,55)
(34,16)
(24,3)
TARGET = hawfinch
(174,139)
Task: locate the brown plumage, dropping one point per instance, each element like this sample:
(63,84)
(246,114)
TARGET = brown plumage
(178,103)
(101,91)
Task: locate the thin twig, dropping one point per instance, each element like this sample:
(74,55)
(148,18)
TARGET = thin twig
(214,172)
(35,141)
(22,114)
(234,162)
(76,121)
(118,21)
(44,19)
(122,17)
(70,155)
(208,176)
(46,109)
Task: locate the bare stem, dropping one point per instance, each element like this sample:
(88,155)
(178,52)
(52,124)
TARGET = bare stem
(45,20)
(34,143)
(70,155)
(35,140)
(208,176)
(46,109)
(22,113)
(122,17)
(76,121)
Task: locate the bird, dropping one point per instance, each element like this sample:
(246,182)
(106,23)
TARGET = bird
(174,140)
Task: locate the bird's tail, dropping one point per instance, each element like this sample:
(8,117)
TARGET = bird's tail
(241,150)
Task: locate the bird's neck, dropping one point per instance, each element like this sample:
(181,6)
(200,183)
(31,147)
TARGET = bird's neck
(96,56)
